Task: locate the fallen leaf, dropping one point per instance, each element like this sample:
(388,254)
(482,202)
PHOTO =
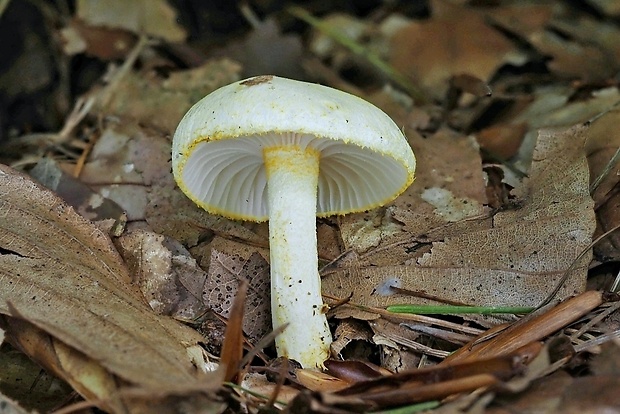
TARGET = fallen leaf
(130,165)
(154,18)
(232,348)
(501,140)
(85,375)
(449,187)
(21,379)
(571,59)
(258,384)
(63,275)
(101,42)
(437,382)
(348,331)
(523,19)
(230,264)
(517,260)
(168,277)
(161,102)
(455,40)
(543,396)
(603,142)
(88,203)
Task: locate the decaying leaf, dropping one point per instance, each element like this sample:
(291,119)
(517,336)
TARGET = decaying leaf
(103,42)
(88,203)
(62,274)
(130,164)
(167,275)
(462,42)
(348,331)
(230,264)
(518,260)
(85,375)
(161,102)
(602,144)
(154,18)
(22,379)
(258,384)
(448,189)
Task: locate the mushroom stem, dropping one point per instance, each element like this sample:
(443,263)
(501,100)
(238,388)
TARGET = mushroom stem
(292,178)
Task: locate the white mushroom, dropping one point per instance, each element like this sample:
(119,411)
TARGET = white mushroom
(275,149)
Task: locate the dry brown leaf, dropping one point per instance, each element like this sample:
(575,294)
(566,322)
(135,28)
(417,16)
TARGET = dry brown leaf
(130,165)
(230,264)
(501,141)
(449,188)
(543,396)
(74,192)
(571,59)
(347,331)
(456,40)
(401,347)
(168,277)
(523,18)
(152,100)
(258,384)
(591,31)
(232,347)
(84,374)
(517,261)
(63,275)
(101,42)
(154,18)
(449,184)
(579,46)
(603,142)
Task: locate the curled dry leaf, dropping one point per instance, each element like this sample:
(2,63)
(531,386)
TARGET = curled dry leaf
(62,274)
(349,330)
(518,260)
(84,374)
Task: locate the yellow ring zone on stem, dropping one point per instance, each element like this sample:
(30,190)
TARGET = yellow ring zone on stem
(293,158)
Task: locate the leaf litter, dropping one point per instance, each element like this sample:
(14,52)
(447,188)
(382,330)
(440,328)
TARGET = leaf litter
(499,214)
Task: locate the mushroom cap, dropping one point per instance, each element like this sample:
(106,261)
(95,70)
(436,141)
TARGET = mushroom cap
(217,150)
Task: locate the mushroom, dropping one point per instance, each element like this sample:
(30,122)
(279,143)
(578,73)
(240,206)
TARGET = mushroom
(269,148)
